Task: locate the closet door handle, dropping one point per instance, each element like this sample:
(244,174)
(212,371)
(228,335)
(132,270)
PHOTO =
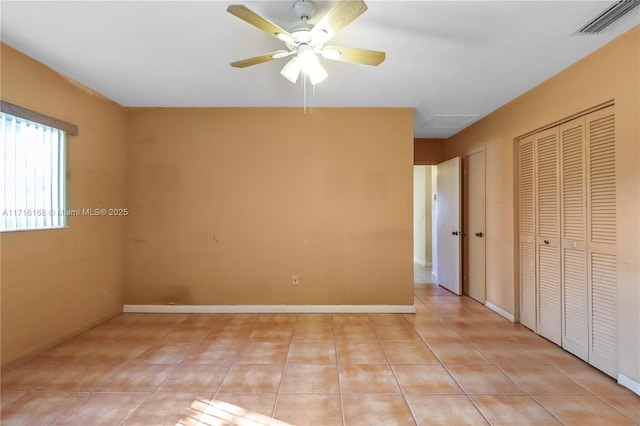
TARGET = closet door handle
(454,233)
(546,242)
(479,234)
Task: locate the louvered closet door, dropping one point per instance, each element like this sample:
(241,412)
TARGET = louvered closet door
(549,319)
(575,317)
(527,234)
(601,243)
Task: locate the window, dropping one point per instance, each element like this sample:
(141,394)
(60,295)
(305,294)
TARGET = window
(32,175)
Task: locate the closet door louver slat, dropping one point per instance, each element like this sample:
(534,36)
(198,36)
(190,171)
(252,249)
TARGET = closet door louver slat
(528,285)
(527,235)
(549,306)
(575,325)
(576,318)
(601,244)
(549,318)
(604,337)
(568,237)
(573,181)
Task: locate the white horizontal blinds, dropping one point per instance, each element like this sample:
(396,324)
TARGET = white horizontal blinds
(601,243)
(549,320)
(7,151)
(575,326)
(527,234)
(33,167)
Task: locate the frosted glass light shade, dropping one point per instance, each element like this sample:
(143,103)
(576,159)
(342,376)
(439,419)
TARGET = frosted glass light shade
(291,70)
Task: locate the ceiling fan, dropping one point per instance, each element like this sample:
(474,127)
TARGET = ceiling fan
(305,41)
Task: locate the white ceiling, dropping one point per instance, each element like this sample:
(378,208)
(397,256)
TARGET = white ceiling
(452,61)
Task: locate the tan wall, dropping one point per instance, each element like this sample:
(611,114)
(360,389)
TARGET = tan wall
(610,73)
(429,151)
(53,282)
(227,204)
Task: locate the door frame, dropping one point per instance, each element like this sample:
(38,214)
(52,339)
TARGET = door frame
(468,232)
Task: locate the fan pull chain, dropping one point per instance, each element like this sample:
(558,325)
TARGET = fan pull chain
(304,92)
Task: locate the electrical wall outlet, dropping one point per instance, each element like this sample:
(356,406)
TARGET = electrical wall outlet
(295,280)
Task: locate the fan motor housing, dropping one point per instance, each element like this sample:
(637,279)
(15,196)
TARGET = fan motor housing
(304,9)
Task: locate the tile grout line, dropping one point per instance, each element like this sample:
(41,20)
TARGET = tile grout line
(599,396)
(442,364)
(215,392)
(284,367)
(516,384)
(525,391)
(95,391)
(467,395)
(170,374)
(335,346)
(395,377)
(124,365)
(588,392)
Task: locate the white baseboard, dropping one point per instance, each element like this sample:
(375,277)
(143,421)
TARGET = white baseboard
(629,383)
(498,310)
(271,309)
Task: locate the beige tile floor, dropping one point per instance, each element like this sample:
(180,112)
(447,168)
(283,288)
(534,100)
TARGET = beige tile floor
(422,275)
(453,363)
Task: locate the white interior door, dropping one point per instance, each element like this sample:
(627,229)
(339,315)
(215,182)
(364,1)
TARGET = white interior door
(474,269)
(449,225)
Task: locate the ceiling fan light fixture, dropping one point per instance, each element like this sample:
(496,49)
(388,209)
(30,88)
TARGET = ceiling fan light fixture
(320,36)
(305,41)
(285,37)
(301,35)
(307,57)
(331,53)
(291,70)
(317,74)
(280,54)
(310,65)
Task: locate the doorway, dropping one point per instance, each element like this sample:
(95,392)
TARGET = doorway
(472,229)
(423,250)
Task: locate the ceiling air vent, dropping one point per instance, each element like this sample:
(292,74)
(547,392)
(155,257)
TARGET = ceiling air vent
(614,12)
